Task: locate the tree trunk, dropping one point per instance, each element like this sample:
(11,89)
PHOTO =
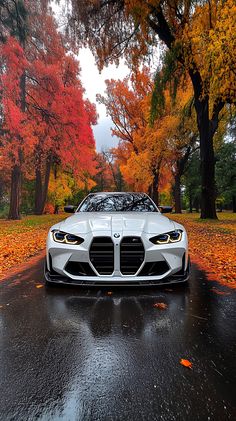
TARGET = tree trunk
(208,196)
(180,165)
(120,180)
(14,211)
(207,129)
(177,194)
(196,203)
(234,203)
(150,190)
(155,193)
(16,176)
(41,188)
(46,181)
(38,192)
(21,23)
(56,209)
(190,202)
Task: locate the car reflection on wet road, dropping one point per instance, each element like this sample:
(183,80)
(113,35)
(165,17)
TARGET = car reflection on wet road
(82,354)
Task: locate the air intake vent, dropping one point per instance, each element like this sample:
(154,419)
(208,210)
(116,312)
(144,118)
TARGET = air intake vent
(102,255)
(79,269)
(131,255)
(154,269)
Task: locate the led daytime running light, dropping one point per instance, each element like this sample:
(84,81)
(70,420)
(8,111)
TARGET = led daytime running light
(168,237)
(170,240)
(65,239)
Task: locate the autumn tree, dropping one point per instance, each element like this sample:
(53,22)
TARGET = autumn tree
(128,105)
(64,120)
(56,103)
(111,161)
(201,39)
(46,120)
(64,188)
(150,152)
(108,176)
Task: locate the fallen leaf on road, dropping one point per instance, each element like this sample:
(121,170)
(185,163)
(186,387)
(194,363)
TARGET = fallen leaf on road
(39,286)
(162,306)
(109,292)
(186,363)
(219,259)
(217,291)
(169,290)
(1,306)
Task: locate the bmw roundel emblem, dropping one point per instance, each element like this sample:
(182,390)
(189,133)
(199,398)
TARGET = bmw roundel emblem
(116,235)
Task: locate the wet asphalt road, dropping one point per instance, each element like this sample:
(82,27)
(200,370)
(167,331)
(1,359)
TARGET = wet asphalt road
(74,354)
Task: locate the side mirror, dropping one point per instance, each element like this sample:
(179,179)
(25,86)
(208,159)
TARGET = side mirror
(165,209)
(69,209)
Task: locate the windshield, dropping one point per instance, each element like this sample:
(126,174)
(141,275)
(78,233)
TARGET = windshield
(127,202)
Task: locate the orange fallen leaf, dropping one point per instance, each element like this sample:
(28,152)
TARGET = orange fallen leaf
(39,286)
(186,363)
(109,292)
(217,291)
(162,306)
(1,306)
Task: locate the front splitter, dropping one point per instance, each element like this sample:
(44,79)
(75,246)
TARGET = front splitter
(59,279)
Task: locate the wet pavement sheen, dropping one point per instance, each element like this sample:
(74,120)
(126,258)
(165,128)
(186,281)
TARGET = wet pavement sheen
(81,354)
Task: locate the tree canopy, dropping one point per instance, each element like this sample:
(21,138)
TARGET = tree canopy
(201,38)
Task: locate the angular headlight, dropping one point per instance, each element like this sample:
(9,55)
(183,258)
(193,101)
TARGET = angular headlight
(169,237)
(63,237)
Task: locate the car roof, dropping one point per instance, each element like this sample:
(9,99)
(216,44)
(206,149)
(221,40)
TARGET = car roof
(118,192)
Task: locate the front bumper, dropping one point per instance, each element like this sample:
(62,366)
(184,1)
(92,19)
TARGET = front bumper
(75,265)
(179,277)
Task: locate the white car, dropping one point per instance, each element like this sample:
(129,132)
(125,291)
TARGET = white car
(116,239)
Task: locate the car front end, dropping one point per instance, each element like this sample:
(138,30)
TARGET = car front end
(117,249)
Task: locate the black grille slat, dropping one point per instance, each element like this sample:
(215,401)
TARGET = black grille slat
(131,255)
(103,251)
(102,255)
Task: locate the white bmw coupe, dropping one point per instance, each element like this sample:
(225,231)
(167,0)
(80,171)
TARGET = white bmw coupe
(116,239)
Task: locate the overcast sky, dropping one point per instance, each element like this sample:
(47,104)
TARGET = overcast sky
(94,83)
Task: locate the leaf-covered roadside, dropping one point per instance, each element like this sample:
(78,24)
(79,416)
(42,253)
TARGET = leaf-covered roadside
(22,239)
(212,245)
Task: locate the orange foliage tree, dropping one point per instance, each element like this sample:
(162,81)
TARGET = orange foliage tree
(128,104)
(149,153)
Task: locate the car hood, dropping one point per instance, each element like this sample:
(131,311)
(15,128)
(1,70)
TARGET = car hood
(84,222)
